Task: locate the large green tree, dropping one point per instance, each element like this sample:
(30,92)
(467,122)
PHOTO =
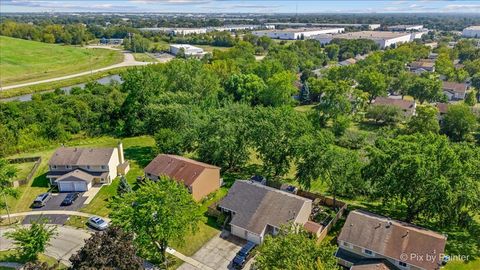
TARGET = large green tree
(294,248)
(157,213)
(7,172)
(30,241)
(374,83)
(459,122)
(425,120)
(426,177)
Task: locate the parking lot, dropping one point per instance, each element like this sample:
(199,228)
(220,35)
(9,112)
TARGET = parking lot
(218,253)
(55,204)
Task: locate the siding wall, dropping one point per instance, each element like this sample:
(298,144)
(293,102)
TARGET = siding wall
(207,182)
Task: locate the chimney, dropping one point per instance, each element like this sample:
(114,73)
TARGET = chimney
(120,153)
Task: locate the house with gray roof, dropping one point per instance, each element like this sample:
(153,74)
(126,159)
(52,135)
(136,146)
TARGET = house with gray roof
(255,210)
(75,169)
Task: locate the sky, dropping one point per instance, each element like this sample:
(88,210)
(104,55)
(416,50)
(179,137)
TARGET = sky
(246,6)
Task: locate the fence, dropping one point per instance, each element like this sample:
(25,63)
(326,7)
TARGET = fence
(24,181)
(326,201)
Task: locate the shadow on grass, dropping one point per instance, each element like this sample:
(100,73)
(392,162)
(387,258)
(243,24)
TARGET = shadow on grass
(41,181)
(142,155)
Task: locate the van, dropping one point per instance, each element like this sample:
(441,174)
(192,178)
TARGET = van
(41,200)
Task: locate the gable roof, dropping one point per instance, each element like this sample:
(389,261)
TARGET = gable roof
(179,168)
(442,107)
(255,206)
(400,103)
(76,175)
(74,156)
(372,266)
(393,238)
(424,64)
(455,87)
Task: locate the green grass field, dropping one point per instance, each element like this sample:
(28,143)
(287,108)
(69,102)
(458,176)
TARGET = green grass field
(23,169)
(24,61)
(143,57)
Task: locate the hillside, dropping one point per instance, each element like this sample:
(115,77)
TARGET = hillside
(26,61)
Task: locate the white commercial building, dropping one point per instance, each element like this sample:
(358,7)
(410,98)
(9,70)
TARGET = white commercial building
(300,33)
(382,38)
(472,31)
(417,35)
(405,27)
(232,28)
(188,50)
(176,31)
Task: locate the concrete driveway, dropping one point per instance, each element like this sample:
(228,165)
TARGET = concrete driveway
(67,242)
(218,253)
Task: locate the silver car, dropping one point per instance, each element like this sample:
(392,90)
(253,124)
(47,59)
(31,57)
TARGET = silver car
(98,223)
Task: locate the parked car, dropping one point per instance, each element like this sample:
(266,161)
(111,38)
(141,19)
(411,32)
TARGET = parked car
(70,198)
(98,223)
(41,200)
(243,255)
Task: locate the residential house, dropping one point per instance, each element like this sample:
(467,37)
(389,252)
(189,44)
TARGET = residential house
(347,62)
(454,90)
(255,210)
(442,110)
(368,240)
(77,169)
(408,107)
(200,178)
(420,66)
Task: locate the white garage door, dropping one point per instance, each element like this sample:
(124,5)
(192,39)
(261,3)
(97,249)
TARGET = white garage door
(68,186)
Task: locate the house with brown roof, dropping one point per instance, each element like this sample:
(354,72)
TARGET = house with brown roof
(370,241)
(423,65)
(454,90)
(200,178)
(75,169)
(408,107)
(255,210)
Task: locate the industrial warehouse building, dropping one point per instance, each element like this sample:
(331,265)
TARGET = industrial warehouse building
(472,31)
(188,50)
(403,28)
(382,38)
(297,33)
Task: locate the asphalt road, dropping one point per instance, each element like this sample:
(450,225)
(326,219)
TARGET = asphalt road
(67,242)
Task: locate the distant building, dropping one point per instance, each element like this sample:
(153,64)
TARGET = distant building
(423,65)
(347,62)
(176,31)
(111,41)
(454,90)
(368,241)
(232,28)
(382,38)
(408,107)
(403,27)
(297,33)
(188,50)
(472,31)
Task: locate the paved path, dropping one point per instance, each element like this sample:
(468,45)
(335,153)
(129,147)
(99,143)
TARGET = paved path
(66,243)
(13,265)
(53,212)
(196,264)
(128,61)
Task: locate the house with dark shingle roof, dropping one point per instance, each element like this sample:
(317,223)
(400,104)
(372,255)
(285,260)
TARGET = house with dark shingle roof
(255,210)
(370,239)
(408,107)
(75,169)
(200,178)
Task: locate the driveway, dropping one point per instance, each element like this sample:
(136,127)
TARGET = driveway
(54,204)
(67,242)
(218,253)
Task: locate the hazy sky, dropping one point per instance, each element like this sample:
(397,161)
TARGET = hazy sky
(220,6)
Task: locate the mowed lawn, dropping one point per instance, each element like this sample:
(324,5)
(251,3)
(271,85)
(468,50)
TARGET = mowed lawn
(24,61)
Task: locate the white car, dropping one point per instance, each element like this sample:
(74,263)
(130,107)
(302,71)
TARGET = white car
(98,223)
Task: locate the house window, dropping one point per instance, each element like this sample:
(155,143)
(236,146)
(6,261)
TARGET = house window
(103,167)
(88,166)
(368,252)
(54,166)
(68,166)
(347,244)
(402,264)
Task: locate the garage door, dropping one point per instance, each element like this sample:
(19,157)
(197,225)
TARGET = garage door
(68,186)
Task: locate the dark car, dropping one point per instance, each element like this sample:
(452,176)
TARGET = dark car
(41,200)
(243,255)
(70,198)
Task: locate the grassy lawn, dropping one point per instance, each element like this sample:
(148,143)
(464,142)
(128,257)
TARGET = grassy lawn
(472,265)
(59,84)
(12,256)
(24,61)
(23,169)
(194,242)
(143,57)
(77,222)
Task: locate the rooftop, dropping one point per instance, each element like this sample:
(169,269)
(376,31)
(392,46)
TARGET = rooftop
(392,238)
(255,206)
(74,156)
(455,87)
(401,103)
(177,167)
(297,30)
(473,27)
(185,46)
(368,35)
